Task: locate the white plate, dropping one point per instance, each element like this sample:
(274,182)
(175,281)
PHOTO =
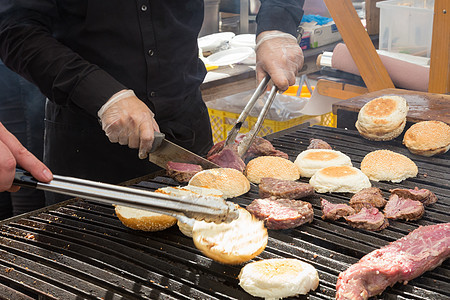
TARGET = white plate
(243,40)
(230,56)
(214,41)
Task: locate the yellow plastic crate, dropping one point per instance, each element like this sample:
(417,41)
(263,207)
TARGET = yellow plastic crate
(223,121)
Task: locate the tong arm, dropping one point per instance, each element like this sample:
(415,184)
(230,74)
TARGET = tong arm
(191,206)
(231,136)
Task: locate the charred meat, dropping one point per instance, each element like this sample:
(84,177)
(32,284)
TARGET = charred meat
(366,198)
(281,213)
(331,211)
(368,218)
(182,172)
(404,209)
(423,195)
(286,189)
(318,144)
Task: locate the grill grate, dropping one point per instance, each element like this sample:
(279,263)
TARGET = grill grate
(80,250)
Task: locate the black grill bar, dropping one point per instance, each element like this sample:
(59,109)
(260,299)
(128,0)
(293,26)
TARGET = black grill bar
(80,250)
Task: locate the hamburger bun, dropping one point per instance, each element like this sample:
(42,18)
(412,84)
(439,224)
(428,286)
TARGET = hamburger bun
(383,118)
(231,243)
(278,278)
(386,165)
(310,161)
(141,219)
(339,179)
(428,138)
(185,224)
(271,166)
(230,182)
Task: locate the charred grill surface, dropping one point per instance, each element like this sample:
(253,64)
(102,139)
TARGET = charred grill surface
(80,250)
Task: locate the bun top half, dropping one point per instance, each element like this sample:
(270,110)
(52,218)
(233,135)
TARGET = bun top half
(428,138)
(271,166)
(312,160)
(386,165)
(230,182)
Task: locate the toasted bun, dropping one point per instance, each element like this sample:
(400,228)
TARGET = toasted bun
(339,179)
(278,278)
(310,161)
(141,219)
(230,182)
(231,243)
(386,165)
(271,166)
(383,118)
(428,138)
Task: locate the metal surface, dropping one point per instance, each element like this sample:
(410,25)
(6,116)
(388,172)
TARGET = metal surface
(199,207)
(80,250)
(168,151)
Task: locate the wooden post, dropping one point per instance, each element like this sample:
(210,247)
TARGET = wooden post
(372,17)
(440,49)
(359,44)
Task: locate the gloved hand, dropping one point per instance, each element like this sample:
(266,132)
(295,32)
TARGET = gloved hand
(128,121)
(279,55)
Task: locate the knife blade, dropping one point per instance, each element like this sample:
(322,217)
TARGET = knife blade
(164,151)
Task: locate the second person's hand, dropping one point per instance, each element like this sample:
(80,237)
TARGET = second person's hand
(128,121)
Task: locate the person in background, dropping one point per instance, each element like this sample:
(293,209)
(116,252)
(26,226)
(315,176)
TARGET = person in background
(116,71)
(13,153)
(22,113)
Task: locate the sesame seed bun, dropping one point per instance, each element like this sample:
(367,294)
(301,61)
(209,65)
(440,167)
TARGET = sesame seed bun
(230,182)
(339,179)
(383,118)
(271,166)
(428,138)
(386,165)
(231,243)
(310,161)
(278,278)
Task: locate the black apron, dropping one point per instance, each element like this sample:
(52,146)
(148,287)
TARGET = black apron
(76,145)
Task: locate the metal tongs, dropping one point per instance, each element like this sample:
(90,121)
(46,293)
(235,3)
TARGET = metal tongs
(250,136)
(203,208)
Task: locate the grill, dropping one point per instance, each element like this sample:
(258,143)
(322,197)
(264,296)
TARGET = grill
(80,250)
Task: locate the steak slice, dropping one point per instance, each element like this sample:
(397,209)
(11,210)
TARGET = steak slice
(401,261)
(182,172)
(333,211)
(368,218)
(281,213)
(284,189)
(228,158)
(404,209)
(423,195)
(318,144)
(368,197)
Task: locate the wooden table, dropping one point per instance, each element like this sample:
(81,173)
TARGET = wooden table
(422,107)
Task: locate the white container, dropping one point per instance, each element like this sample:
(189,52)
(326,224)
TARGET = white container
(406,26)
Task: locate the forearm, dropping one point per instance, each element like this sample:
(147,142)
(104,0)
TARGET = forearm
(282,15)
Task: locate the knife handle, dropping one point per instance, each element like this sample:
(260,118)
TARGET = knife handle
(159,137)
(24,178)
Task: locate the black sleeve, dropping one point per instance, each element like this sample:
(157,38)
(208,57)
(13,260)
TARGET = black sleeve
(282,15)
(28,47)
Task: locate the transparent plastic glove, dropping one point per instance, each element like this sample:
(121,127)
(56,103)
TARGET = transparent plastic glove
(279,55)
(128,121)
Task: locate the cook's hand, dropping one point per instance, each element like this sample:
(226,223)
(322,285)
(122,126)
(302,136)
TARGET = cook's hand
(128,121)
(279,55)
(12,152)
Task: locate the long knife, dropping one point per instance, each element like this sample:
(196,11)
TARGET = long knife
(164,151)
